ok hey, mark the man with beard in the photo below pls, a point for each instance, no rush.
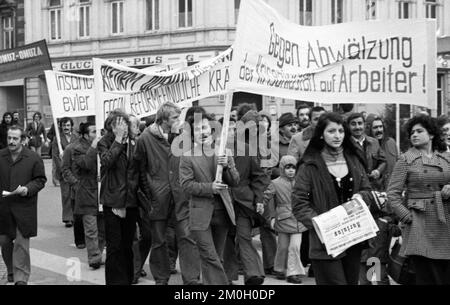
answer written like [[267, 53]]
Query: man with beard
[[67, 137], [300, 141], [379, 245], [16, 119], [22, 176], [6, 123], [368, 149], [303, 116]]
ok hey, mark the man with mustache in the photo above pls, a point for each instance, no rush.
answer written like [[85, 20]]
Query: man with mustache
[[388, 146], [66, 137], [300, 141], [368, 150], [22, 176], [303, 116]]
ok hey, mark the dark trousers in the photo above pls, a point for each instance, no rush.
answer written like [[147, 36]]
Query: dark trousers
[[119, 233], [304, 250], [143, 243], [78, 227], [159, 254], [269, 247], [431, 271], [172, 244], [189, 256], [231, 261], [344, 271], [7, 254], [211, 244], [251, 261]]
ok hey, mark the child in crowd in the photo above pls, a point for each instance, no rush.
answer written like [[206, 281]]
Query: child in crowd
[[277, 199]]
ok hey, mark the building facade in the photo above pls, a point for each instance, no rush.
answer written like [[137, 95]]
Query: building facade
[[12, 34], [142, 33]]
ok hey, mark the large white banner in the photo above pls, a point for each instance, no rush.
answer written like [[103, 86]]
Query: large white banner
[[389, 61], [140, 93], [72, 95]]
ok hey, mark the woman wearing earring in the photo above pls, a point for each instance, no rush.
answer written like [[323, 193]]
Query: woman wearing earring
[[422, 174], [329, 174]]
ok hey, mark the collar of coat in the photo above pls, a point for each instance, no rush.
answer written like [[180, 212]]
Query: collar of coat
[[25, 153], [413, 153]]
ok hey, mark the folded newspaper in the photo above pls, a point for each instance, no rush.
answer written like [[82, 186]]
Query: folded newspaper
[[345, 226]]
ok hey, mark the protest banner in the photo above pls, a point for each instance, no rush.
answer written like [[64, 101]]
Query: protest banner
[[345, 226], [389, 61], [140, 93], [72, 95]]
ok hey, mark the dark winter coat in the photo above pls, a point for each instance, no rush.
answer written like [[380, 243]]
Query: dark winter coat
[[159, 166], [119, 173], [28, 170], [56, 154], [85, 168], [34, 133], [314, 194]]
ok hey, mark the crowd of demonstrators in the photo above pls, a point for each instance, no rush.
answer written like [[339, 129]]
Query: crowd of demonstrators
[[161, 197]]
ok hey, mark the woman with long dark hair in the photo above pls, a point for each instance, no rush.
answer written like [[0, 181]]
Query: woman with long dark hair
[[422, 174], [329, 174]]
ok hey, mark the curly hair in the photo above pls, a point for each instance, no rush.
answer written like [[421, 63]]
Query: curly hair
[[431, 125]]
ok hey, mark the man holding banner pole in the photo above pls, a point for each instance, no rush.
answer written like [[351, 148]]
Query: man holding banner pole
[[58, 147]]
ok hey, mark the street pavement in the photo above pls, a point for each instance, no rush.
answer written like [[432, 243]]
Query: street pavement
[[56, 261]]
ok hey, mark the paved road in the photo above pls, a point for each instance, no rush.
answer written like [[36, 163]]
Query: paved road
[[55, 259]]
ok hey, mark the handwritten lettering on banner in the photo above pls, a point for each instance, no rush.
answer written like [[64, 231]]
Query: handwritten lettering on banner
[[71, 95], [364, 62], [142, 92]]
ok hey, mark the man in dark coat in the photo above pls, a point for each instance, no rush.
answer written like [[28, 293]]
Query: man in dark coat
[[248, 199], [86, 193], [160, 166], [66, 137], [69, 178], [22, 176], [118, 195]]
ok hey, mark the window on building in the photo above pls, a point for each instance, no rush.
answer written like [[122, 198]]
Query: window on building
[[84, 20], [8, 32], [371, 9], [55, 11], [184, 13], [117, 17], [237, 4], [306, 12], [405, 9], [440, 84], [152, 15], [337, 11], [432, 11]]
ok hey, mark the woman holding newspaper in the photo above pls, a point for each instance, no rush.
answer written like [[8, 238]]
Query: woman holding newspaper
[[329, 175], [423, 172]]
